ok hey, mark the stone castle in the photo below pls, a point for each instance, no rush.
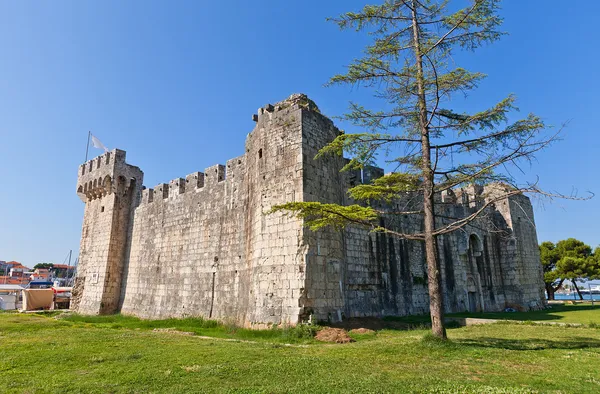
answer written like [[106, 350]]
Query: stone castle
[[203, 246]]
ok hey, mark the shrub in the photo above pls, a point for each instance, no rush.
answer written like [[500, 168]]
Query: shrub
[[300, 331]]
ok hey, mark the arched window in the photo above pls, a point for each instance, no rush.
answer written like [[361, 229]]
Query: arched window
[[475, 245], [107, 184]]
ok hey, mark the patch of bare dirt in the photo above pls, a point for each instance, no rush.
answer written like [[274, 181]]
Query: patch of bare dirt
[[362, 331], [333, 335]]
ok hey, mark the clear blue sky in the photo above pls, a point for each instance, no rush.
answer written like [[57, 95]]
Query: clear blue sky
[[175, 84]]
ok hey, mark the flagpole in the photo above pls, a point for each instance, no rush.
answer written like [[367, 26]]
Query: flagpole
[[87, 147]]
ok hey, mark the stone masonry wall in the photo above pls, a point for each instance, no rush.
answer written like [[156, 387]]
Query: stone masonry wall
[[491, 264], [204, 245]]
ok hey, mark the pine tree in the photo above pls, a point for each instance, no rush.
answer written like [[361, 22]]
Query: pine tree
[[410, 68], [569, 259]]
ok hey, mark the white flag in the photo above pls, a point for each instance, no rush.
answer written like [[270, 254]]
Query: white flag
[[97, 144]]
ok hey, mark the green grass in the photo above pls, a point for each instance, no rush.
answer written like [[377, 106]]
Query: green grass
[[123, 354], [582, 313], [197, 326]]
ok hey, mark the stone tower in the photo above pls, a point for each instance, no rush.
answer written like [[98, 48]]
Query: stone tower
[[110, 189]]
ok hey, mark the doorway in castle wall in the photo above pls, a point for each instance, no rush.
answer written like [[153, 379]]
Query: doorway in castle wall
[[472, 301], [473, 295]]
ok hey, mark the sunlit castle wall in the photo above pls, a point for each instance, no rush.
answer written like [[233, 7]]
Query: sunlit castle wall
[[204, 244]]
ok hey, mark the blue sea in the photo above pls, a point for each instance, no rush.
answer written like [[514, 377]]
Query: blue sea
[[575, 296]]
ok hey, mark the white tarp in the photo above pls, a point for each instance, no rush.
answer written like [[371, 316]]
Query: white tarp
[[34, 299]]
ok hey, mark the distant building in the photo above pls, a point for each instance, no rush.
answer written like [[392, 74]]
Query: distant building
[[14, 273], [42, 274]]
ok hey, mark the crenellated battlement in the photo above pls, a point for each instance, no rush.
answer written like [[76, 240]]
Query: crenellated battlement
[[196, 181], [214, 174], [268, 116], [161, 191], [475, 196], [105, 174], [176, 187], [147, 196], [295, 101]]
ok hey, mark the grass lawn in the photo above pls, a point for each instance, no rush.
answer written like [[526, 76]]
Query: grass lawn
[[583, 313], [580, 313], [121, 354]]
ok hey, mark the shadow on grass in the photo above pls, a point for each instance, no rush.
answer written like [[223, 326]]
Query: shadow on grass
[[555, 313], [529, 344], [543, 315], [387, 323]]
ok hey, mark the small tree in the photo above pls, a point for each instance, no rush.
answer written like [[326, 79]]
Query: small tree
[[43, 266], [552, 280], [409, 66], [569, 259]]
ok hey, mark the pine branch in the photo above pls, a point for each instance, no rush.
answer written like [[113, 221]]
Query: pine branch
[[477, 3]]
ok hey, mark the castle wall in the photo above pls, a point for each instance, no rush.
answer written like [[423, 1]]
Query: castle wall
[[483, 269], [491, 264], [207, 248], [205, 245], [187, 251]]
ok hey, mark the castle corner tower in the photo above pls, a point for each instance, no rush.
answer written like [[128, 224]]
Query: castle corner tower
[[110, 189]]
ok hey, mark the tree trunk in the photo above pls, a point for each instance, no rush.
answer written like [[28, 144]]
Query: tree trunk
[[550, 291], [578, 292], [436, 307]]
